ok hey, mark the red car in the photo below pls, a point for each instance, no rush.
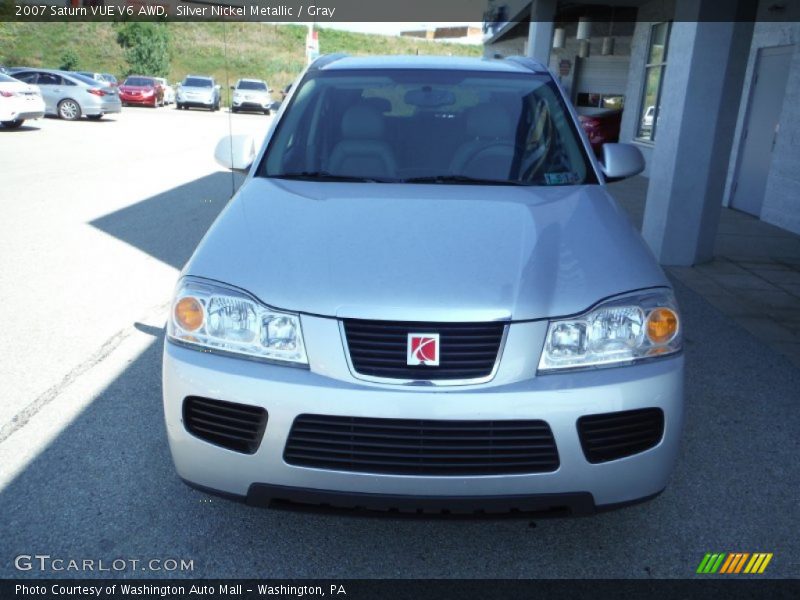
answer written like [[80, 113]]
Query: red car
[[141, 90], [602, 127]]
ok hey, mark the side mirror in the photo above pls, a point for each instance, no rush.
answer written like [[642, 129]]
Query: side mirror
[[236, 152], [233, 87], [270, 90], [621, 161]]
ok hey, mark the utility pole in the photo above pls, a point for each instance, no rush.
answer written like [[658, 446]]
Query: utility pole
[[312, 44]]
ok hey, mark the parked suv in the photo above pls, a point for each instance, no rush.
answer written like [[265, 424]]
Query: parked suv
[[199, 91], [251, 94], [423, 297]]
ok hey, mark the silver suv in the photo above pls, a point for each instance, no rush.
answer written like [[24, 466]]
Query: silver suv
[[198, 91], [424, 298]]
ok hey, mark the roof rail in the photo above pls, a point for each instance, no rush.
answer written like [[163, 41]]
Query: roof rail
[[325, 60], [528, 63]]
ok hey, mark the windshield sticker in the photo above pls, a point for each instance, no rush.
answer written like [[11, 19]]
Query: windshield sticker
[[561, 178]]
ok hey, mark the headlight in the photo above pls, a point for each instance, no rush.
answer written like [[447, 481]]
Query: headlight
[[622, 330], [215, 317]]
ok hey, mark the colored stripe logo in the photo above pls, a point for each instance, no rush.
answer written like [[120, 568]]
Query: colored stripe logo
[[731, 563]]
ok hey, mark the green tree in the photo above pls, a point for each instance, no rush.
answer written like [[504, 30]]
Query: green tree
[[69, 60], [146, 47]]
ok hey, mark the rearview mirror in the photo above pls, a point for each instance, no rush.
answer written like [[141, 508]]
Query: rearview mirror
[[235, 152], [621, 161]]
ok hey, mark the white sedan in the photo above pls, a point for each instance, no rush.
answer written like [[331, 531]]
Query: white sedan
[[18, 102]]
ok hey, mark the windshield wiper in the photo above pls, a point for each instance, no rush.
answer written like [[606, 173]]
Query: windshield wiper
[[462, 179], [325, 176]]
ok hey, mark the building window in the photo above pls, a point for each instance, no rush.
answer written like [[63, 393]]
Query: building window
[[653, 78]]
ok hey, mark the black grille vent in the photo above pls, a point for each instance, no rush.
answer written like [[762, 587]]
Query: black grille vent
[[418, 447], [237, 427], [379, 349], [615, 435]]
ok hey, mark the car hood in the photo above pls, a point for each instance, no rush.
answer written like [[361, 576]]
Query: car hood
[[197, 90], [136, 88], [425, 252]]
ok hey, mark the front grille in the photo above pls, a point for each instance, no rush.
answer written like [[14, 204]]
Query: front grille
[[421, 447], [237, 427], [379, 349], [615, 435]]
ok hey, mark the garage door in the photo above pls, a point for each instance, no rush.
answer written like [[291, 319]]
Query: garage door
[[602, 75]]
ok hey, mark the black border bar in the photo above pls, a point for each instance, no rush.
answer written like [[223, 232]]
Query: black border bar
[[498, 12], [403, 589]]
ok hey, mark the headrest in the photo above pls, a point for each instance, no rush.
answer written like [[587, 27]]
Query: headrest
[[489, 121], [362, 122]]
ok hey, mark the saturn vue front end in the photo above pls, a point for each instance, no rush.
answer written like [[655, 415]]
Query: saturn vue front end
[[424, 298]]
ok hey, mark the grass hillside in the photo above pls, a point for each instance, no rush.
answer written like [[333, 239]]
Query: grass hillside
[[267, 51]]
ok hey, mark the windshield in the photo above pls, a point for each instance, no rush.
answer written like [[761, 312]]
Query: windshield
[[197, 82], [428, 126], [252, 85], [139, 82]]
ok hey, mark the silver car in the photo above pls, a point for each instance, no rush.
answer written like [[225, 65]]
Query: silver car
[[251, 94], [71, 95], [424, 298], [198, 91]]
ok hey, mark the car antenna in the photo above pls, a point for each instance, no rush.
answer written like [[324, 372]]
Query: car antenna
[[227, 87]]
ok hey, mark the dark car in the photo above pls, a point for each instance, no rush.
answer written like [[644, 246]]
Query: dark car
[[145, 91], [602, 126]]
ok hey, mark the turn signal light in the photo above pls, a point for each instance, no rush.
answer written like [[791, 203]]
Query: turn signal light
[[189, 313], [662, 325]]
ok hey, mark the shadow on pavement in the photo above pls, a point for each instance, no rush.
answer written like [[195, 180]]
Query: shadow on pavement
[[21, 129], [170, 225]]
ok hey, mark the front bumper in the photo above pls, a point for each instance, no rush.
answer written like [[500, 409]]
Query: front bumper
[[515, 393], [251, 105], [143, 100], [196, 102]]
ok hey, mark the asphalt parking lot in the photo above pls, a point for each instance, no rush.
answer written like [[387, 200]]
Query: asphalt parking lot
[[98, 219]]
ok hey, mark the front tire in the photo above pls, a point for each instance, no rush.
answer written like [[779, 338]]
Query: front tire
[[69, 110], [13, 124]]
